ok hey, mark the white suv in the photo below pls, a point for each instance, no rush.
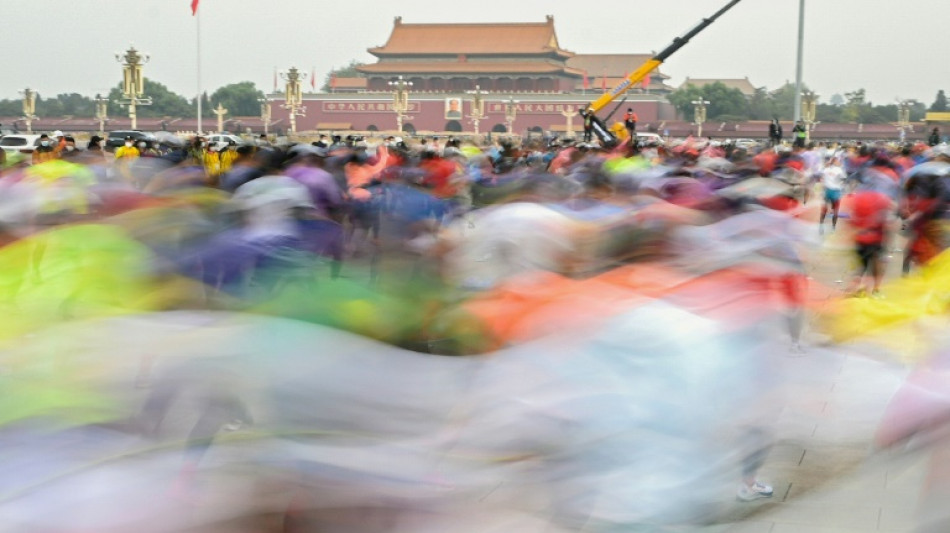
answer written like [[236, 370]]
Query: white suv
[[220, 140], [24, 144]]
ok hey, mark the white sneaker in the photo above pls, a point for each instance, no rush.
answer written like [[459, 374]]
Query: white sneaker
[[757, 490]]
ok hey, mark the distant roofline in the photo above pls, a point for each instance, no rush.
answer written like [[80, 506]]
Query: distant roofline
[[381, 50], [549, 21], [430, 24]]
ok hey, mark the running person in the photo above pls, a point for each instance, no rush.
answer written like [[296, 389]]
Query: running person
[[833, 179], [869, 216]]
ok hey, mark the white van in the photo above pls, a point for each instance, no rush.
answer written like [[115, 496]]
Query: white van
[[647, 138]]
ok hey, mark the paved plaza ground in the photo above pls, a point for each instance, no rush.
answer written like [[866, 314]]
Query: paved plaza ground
[[826, 474]]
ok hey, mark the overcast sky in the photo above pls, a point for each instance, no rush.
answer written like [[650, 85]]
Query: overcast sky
[[892, 49]]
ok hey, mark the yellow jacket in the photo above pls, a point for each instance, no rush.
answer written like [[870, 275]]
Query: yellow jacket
[[126, 151]]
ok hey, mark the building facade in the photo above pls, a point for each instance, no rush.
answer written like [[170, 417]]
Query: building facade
[[513, 65]]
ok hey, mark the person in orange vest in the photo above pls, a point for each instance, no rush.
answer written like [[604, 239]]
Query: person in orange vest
[[59, 141], [630, 122]]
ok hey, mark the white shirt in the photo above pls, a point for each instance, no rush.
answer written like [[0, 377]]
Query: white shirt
[[833, 178]]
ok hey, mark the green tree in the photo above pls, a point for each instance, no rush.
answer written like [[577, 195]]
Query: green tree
[[206, 107], [349, 71], [918, 111], [11, 108], [725, 103], [829, 112], [940, 104], [165, 103], [888, 112], [858, 109], [48, 107], [240, 99], [760, 105], [870, 114], [71, 104], [854, 102], [682, 99], [856, 98], [77, 105], [783, 101]]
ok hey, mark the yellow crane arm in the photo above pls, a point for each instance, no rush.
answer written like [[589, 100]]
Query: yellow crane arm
[[638, 75], [630, 81]]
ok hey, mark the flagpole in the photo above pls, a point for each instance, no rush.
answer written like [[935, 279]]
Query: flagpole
[[198, 63]]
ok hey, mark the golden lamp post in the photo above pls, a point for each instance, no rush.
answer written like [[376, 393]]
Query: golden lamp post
[[133, 83], [265, 113], [699, 115], [293, 97], [809, 112], [102, 112], [903, 118], [569, 114], [478, 107], [400, 99], [220, 111], [511, 113], [29, 108]]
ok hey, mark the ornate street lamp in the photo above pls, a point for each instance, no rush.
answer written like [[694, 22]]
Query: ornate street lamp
[[293, 97], [569, 114], [102, 112], [400, 99], [220, 111], [29, 108], [265, 112], [903, 117], [478, 107], [699, 115], [133, 83], [809, 112], [511, 113]]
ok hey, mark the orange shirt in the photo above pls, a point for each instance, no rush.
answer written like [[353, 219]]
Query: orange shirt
[[360, 175]]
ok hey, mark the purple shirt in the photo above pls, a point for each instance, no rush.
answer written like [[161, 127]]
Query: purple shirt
[[324, 191]]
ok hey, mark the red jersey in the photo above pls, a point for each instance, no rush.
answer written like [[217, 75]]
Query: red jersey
[[869, 211]]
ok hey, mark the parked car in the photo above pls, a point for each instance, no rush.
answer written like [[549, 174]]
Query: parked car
[[648, 138], [220, 140], [747, 144], [117, 138], [24, 144]]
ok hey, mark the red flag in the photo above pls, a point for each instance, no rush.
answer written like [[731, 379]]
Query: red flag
[[646, 82], [313, 78], [586, 81], [603, 82], [194, 7]]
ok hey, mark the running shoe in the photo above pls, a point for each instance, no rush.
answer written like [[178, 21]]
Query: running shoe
[[757, 490]]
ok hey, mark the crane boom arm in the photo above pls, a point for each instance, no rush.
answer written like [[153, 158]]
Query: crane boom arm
[[640, 73]]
